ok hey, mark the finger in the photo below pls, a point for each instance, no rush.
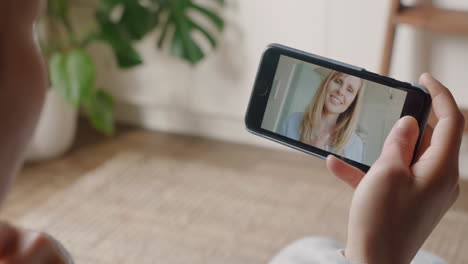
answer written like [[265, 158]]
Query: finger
[[9, 240], [399, 146], [425, 141], [443, 103], [37, 248], [449, 129], [349, 174]]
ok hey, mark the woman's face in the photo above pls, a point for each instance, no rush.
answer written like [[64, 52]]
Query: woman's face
[[341, 92]]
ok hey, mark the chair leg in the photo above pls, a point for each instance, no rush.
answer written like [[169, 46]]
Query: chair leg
[[395, 7], [388, 49]]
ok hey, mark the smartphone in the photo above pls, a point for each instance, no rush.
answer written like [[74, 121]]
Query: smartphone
[[321, 106]]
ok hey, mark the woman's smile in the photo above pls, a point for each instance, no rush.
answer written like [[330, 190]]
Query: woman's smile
[[335, 100]]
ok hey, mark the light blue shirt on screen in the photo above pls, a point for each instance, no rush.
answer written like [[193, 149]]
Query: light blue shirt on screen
[[291, 129]]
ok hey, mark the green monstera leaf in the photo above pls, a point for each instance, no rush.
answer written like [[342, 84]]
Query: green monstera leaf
[[135, 22], [138, 18], [178, 20], [72, 75], [120, 42]]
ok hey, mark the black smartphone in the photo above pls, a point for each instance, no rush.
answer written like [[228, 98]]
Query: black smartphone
[[321, 106]]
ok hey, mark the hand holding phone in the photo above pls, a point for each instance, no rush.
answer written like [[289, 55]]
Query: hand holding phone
[[397, 205], [322, 107]]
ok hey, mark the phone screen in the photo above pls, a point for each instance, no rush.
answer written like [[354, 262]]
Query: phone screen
[[331, 110]]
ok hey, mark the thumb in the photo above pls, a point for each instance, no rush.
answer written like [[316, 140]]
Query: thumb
[[400, 143]]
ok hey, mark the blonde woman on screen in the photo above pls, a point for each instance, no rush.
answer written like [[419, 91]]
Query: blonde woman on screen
[[330, 120]]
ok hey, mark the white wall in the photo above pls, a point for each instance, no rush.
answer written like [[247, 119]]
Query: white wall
[[210, 99]]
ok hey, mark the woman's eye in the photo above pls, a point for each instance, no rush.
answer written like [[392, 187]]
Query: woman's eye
[[350, 90], [337, 81]]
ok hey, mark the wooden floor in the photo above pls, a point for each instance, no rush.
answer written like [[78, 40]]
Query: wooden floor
[[39, 182]]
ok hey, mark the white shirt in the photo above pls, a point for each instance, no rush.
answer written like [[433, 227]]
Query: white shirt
[[321, 250], [291, 129]]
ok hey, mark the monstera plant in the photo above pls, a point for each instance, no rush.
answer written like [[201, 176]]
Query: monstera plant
[[120, 24]]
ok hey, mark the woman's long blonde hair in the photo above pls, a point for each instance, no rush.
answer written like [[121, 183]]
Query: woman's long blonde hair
[[346, 123]]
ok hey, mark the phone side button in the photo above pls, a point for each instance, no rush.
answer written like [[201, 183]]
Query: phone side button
[[262, 88]]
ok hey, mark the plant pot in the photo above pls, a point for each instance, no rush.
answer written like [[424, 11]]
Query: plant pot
[[55, 131]]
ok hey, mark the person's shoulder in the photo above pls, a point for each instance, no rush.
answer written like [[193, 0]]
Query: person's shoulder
[[355, 140]]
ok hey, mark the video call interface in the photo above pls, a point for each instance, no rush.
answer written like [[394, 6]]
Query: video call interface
[[336, 112]]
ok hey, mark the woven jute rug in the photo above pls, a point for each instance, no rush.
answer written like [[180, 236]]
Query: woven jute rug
[[143, 209], [138, 208]]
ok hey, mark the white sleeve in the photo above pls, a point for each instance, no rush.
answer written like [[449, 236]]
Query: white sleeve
[[321, 250], [312, 250]]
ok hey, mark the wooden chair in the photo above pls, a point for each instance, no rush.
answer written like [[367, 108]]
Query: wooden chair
[[424, 16]]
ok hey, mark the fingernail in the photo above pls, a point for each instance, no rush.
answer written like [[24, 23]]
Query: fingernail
[[405, 124], [426, 74]]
